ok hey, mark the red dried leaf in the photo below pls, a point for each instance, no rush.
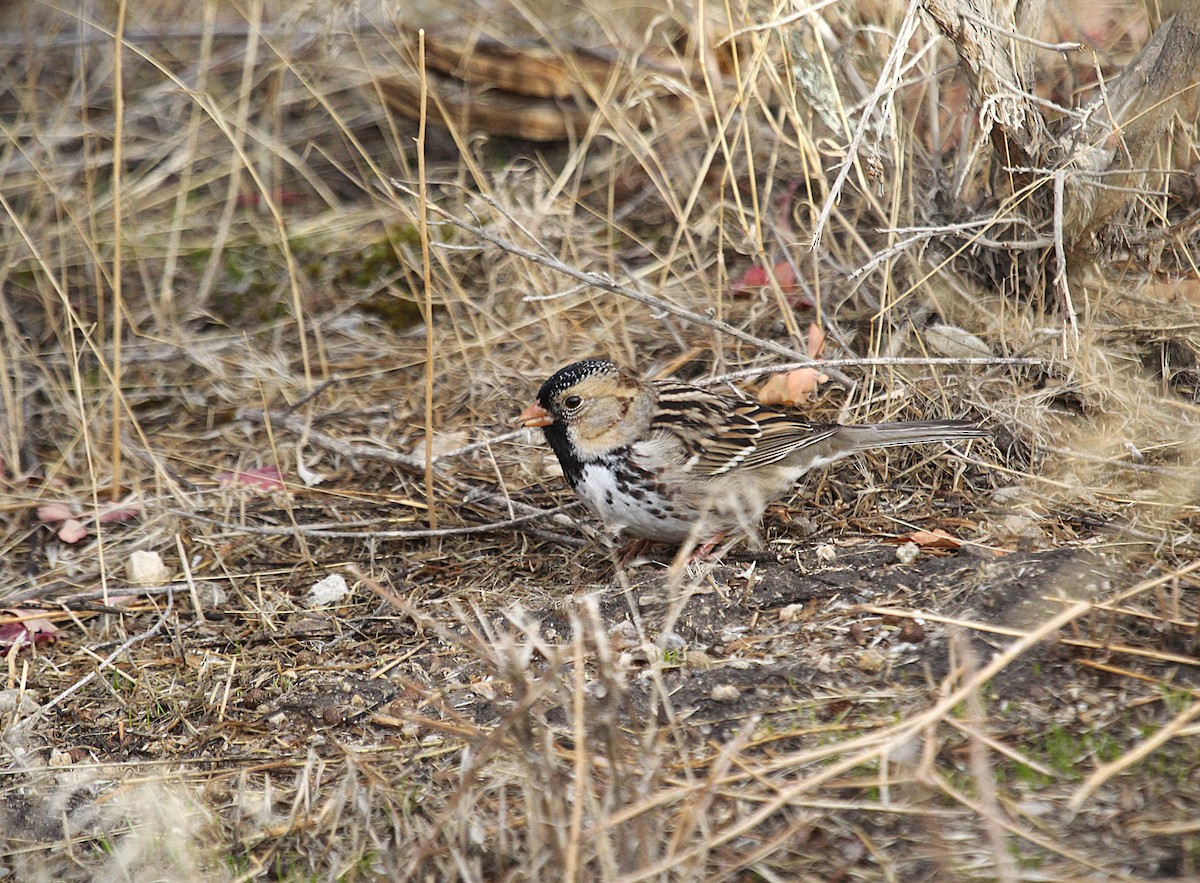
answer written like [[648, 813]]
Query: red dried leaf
[[757, 277], [53, 513], [72, 531], [785, 276], [26, 627], [754, 278], [119, 514], [72, 528], [267, 478]]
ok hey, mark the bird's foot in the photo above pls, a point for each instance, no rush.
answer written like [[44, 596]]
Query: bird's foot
[[631, 551], [704, 552]]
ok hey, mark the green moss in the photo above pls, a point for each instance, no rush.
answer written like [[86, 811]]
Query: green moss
[[378, 259], [252, 286], [1028, 861], [395, 311], [373, 266], [1023, 774], [1072, 754], [1176, 701]]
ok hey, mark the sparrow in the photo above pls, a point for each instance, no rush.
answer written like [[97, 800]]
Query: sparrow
[[672, 462]]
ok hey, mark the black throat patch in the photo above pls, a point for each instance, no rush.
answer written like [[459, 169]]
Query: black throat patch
[[572, 466]]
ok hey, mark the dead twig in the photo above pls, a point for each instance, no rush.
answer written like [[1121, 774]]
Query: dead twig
[[605, 283], [322, 532], [27, 723]]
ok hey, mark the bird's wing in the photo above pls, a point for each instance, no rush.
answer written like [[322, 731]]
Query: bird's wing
[[721, 433]]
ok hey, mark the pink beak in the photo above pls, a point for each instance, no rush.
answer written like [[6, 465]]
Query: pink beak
[[535, 416]]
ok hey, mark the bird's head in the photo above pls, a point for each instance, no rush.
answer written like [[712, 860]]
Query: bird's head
[[594, 406]]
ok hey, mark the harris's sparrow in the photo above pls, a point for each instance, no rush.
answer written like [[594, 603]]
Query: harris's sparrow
[[667, 461]]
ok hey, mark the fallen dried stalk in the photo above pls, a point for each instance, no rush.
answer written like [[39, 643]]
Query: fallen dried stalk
[[869, 747], [27, 723], [1103, 773], [329, 533]]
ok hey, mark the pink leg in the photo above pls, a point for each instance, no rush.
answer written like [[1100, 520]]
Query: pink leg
[[702, 552], [633, 550]]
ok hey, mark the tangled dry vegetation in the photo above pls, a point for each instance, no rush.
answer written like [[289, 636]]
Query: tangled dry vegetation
[[215, 244]]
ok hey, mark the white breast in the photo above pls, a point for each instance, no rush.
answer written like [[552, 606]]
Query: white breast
[[638, 512]]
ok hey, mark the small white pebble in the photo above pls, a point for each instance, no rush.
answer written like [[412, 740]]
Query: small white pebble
[[308, 476], [146, 569], [739, 664], [907, 553], [671, 641], [826, 552], [908, 751], [871, 660], [624, 629], [1035, 808], [11, 700], [725, 693], [59, 759], [476, 833], [623, 635], [1013, 493], [791, 613], [328, 591]]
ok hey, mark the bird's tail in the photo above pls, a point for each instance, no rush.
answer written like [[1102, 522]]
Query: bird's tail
[[887, 435]]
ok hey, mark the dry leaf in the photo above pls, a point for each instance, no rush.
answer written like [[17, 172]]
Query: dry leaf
[[119, 513], [1187, 289], [816, 340], [934, 539], [72, 531], [266, 478], [792, 387], [955, 343], [25, 628], [801, 384], [757, 278], [53, 513]]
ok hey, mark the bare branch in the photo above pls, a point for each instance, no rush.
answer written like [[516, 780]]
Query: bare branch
[[1007, 112], [1129, 121]]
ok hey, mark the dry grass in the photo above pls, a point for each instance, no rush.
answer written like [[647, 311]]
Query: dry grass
[[503, 702]]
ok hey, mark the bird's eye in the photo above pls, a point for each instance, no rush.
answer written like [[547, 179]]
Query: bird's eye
[[572, 402]]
